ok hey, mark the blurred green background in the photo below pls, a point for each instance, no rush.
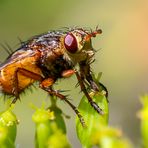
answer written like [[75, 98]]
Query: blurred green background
[[122, 58]]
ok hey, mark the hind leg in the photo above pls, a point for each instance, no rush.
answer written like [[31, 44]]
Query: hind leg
[[62, 97], [26, 73]]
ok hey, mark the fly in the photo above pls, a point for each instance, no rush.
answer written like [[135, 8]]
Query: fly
[[48, 57]]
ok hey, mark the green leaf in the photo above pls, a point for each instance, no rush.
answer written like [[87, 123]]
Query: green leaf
[[93, 120]]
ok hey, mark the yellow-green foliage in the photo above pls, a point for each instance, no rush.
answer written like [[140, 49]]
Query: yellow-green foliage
[[8, 128], [48, 132], [143, 114]]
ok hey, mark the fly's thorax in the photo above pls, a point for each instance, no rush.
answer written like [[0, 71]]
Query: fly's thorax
[[50, 55], [53, 63]]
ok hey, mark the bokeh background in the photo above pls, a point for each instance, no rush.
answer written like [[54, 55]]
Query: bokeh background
[[122, 58]]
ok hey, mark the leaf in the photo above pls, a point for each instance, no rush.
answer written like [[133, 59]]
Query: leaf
[[94, 121]]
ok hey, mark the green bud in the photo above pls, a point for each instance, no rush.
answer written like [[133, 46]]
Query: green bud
[[42, 118], [9, 121], [108, 137], [58, 139], [49, 132], [5, 141]]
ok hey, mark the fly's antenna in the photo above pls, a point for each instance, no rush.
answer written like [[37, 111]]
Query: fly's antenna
[[93, 33], [6, 49]]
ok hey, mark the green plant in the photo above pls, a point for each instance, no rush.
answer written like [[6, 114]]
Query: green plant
[[8, 128], [143, 114], [50, 128]]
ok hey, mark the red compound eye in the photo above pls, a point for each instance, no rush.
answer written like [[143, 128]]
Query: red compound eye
[[70, 43]]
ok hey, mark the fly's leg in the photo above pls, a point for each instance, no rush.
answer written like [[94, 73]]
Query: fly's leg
[[62, 97], [85, 73], [26, 73], [15, 88], [45, 85], [106, 91], [83, 88]]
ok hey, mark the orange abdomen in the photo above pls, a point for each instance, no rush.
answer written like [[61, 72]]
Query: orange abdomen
[[8, 74]]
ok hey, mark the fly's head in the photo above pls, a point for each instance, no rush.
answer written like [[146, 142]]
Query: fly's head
[[78, 46]]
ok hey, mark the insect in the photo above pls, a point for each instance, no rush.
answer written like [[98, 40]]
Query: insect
[[48, 57]]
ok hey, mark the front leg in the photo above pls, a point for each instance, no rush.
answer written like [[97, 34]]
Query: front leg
[[83, 88], [85, 73]]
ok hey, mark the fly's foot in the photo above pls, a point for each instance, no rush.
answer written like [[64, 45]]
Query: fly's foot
[[96, 107]]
